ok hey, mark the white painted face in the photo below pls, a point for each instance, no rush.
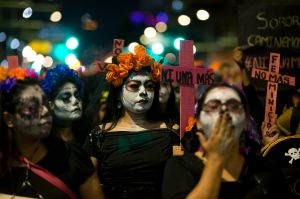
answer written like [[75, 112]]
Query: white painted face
[[32, 117], [67, 104], [164, 92], [138, 93], [209, 117]]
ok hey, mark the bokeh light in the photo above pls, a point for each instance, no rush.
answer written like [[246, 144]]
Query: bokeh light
[[131, 46], [150, 32], [2, 36], [177, 42], [71, 59], [162, 17], [161, 27], [184, 20], [136, 17], [15, 43], [27, 12], [157, 48], [202, 15], [177, 5], [171, 58], [55, 16], [72, 43], [48, 62], [4, 63]]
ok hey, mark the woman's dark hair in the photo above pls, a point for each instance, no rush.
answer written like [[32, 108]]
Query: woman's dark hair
[[113, 113], [8, 104], [170, 113], [250, 139]]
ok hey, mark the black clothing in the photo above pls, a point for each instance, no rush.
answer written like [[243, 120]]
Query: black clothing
[[69, 163], [131, 164], [258, 179]]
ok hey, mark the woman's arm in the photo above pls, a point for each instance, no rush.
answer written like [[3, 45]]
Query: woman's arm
[[209, 184], [91, 188], [218, 148]]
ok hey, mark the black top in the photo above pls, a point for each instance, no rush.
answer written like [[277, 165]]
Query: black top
[[258, 179], [131, 164], [67, 162]]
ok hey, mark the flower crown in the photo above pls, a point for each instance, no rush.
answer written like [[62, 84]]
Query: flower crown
[[190, 124], [57, 75], [9, 77], [128, 61]]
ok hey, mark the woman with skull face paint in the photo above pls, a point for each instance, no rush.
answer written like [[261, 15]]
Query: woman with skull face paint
[[32, 162], [63, 89], [228, 165], [132, 145]]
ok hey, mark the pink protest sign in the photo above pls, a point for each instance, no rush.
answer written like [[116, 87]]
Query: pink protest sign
[[186, 75], [118, 44], [13, 61], [274, 78]]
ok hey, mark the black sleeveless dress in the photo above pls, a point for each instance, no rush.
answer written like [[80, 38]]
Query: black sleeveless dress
[[131, 164]]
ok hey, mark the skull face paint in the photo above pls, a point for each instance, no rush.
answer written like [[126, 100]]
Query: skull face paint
[[32, 117], [67, 104], [138, 93], [208, 119]]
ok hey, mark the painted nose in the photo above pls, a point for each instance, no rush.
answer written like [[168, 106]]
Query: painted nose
[[143, 90], [223, 108], [74, 100], [45, 111]]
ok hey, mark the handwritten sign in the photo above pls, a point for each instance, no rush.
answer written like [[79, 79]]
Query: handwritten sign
[[100, 66], [13, 61], [270, 28], [273, 78], [186, 75]]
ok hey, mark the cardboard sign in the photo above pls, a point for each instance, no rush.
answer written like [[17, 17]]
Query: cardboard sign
[[273, 78], [187, 76], [100, 66], [270, 28]]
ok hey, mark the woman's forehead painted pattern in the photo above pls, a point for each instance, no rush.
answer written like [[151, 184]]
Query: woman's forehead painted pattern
[[223, 94], [139, 76]]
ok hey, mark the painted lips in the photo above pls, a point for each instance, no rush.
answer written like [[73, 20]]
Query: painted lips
[[143, 101]]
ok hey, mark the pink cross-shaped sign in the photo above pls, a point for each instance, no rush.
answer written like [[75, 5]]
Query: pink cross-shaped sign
[[13, 61], [187, 75], [100, 66], [274, 78]]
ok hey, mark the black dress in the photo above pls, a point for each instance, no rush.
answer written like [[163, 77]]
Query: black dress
[[131, 164], [69, 163], [259, 179]]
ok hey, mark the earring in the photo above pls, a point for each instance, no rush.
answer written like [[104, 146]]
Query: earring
[[119, 105]]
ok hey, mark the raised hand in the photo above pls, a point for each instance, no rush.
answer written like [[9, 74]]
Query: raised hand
[[219, 144]]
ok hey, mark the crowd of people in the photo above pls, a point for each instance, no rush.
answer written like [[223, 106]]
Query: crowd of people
[[62, 138]]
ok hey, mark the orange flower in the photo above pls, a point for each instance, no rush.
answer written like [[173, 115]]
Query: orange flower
[[18, 73], [127, 61], [125, 58], [139, 49], [155, 71], [191, 123], [3, 73]]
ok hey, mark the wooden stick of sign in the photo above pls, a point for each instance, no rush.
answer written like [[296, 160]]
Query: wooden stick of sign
[[274, 78], [186, 75], [100, 66]]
